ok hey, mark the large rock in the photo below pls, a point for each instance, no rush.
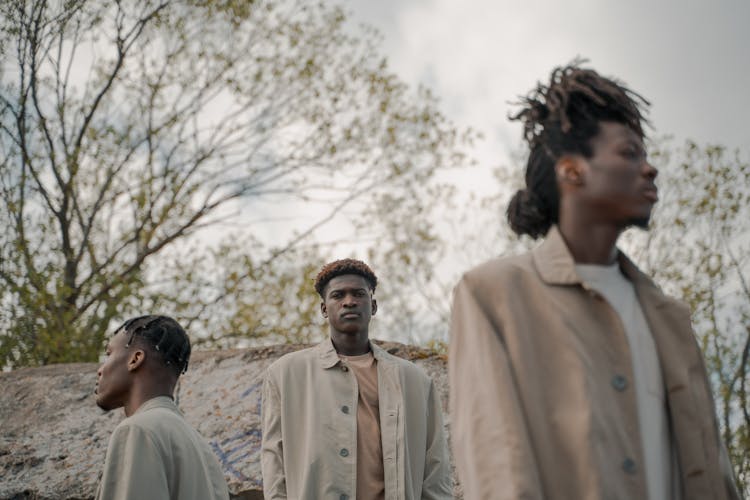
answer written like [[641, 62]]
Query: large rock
[[53, 437]]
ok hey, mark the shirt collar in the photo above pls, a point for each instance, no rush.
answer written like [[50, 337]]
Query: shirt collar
[[329, 358]]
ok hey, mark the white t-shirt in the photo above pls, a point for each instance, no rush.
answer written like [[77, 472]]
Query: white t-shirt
[[649, 386]]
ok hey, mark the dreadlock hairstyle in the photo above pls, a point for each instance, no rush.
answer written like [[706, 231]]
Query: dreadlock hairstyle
[[341, 267], [164, 335], [562, 118]]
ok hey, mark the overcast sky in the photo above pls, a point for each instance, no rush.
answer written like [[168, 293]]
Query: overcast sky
[[690, 58]]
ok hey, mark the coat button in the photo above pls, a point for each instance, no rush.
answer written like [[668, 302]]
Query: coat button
[[628, 465], [344, 452], [344, 409], [619, 382]]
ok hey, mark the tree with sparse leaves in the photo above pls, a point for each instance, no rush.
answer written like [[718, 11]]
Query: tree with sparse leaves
[[698, 249], [130, 129]]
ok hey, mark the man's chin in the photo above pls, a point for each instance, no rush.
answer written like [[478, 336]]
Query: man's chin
[[104, 405], [351, 331], [640, 222]]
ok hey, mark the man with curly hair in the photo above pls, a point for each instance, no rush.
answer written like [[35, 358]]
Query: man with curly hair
[[572, 375], [153, 452], [346, 419]]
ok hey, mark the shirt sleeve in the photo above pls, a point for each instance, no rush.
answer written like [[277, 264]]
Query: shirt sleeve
[[437, 484], [134, 467], [272, 446], [489, 435]]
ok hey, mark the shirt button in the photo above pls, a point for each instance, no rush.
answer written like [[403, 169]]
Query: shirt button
[[344, 452], [345, 409], [619, 382], [344, 368], [628, 465]]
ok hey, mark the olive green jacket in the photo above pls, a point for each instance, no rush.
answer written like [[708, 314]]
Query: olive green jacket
[[155, 454]]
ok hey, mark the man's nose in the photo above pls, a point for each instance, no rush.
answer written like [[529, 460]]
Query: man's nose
[[650, 171]]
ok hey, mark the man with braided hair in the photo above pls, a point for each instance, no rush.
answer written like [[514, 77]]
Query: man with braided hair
[[572, 375], [153, 452], [347, 420]]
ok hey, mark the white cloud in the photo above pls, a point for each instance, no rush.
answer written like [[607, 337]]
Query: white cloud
[[688, 57]]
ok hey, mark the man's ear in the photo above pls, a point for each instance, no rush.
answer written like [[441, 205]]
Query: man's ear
[[323, 310], [137, 357], [374, 306], [569, 170]]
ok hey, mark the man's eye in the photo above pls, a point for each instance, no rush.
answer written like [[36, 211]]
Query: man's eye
[[633, 153]]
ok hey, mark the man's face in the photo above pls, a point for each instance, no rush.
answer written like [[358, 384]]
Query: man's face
[[618, 182], [348, 304], [113, 377]]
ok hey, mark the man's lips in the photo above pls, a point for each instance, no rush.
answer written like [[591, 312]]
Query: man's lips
[[651, 194], [350, 315]]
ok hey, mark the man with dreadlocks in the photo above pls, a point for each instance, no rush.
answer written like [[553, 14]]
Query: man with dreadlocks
[[153, 452], [347, 420], [572, 375]]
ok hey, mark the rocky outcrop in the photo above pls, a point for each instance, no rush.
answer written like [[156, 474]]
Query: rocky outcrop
[[53, 437]]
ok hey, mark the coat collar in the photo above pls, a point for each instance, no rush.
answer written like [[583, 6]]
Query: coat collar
[[554, 261], [158, 402], [556, 266], [329, 357]]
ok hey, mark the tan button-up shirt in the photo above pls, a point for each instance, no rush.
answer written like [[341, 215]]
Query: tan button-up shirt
[[542, 401], [310, 429], [154, 453], [370, 480]]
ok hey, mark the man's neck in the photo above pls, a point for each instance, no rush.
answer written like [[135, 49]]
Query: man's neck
[[350, 344], [140, 395], [590, 243]]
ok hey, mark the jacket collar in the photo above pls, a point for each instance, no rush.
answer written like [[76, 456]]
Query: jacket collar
[[556, 266], [554, 261], [158, 402], [329, 357]]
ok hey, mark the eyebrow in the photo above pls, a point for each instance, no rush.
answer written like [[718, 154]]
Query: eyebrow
[[347, 289]]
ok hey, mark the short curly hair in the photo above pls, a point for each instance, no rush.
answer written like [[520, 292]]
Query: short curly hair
[[341, 267]]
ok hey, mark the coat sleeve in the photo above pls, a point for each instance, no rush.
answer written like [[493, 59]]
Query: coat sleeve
[[272, 447], [490, 439], [134, 467], [438, 483]]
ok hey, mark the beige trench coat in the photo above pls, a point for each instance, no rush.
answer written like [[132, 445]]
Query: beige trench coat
[[309, 414], [538, 404], [155, 454]]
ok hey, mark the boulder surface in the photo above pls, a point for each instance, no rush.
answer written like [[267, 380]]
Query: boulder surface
[[53, 437]]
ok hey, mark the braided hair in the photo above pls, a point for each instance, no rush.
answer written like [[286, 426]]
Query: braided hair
[[163, 335], [561, 118]]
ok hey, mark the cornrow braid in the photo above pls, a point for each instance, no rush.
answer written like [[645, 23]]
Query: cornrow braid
[[164, 335], [561, 118]]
